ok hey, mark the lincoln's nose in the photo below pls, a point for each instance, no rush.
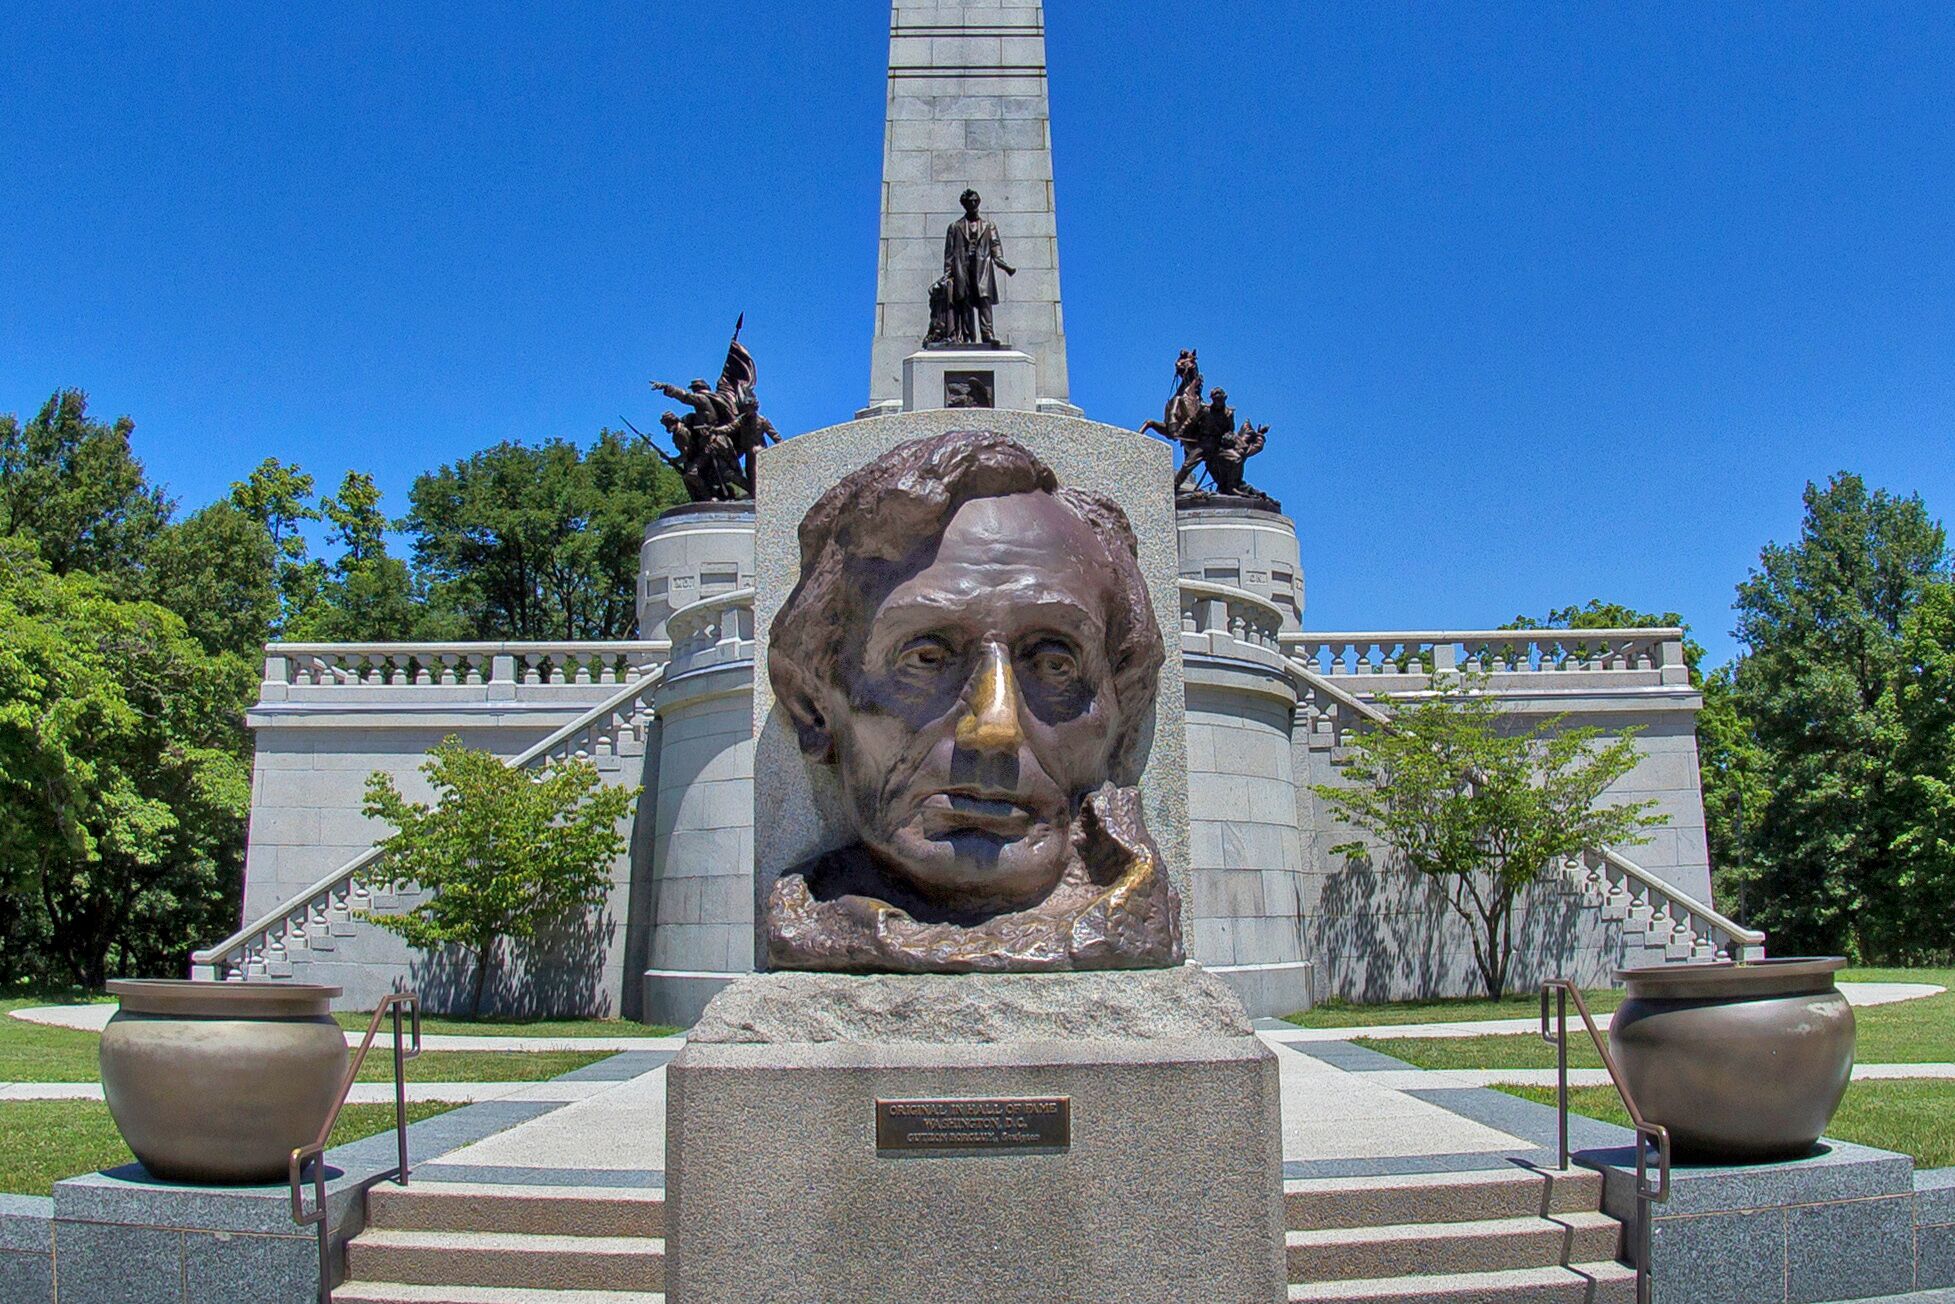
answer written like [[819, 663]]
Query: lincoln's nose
[[990, 722]]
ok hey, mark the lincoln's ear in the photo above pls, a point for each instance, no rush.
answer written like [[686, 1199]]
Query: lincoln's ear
[[810, 724]]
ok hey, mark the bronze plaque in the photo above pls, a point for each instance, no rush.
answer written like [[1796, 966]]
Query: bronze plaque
[[1008, 1123]]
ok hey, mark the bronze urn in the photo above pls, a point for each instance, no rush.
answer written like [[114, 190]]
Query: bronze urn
[[216, 1083], [1743, 1063]]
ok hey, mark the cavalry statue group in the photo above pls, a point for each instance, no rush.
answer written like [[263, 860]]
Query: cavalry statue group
[[1211, 441]]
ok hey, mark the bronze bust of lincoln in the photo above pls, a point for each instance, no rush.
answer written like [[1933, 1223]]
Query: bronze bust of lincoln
[[972, 648]]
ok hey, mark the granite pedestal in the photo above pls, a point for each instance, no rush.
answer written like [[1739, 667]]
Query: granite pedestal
[[970, 378], [1169, 1189], [1839, 1224]]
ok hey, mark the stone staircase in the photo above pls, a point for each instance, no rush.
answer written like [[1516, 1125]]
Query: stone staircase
[[1514, 1234], [468, 1243], [1498, 1236]]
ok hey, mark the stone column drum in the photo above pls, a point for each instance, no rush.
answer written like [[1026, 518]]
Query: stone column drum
[[1245, 548], [691, 552]]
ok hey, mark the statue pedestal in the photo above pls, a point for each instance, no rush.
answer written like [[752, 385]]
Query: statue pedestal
[[896, 1139], [970, 378]]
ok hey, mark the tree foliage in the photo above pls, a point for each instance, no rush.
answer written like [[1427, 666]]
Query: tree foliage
[[124, 783], [503, 852], [366, 595], [542, 542], [214, 568], [1920, 711], [72, 486], [1457, 793], [1825, 626], [1597, 614]]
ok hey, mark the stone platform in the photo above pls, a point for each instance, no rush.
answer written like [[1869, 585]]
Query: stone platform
[[1166, 1184]]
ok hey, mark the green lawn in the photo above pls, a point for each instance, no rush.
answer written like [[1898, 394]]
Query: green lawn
[[1460, 1009], [43, 1141], [1914, 1117], [34, 1052], [1906, 1032]]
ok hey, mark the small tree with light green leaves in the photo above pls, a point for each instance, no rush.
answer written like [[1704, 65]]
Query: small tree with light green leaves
[[1457, 792], [503, 852]]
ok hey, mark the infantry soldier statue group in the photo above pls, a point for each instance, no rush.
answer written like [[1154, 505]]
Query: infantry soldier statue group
[[718, 441]]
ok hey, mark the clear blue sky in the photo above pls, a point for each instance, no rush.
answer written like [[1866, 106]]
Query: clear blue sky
[[1541, 304]]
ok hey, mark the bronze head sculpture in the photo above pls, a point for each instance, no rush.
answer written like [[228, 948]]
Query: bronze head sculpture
[[973, 650]]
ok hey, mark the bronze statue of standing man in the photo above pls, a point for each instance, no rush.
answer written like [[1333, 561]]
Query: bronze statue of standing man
[[973, 255]]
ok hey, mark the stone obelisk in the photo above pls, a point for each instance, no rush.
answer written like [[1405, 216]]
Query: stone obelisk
[[967, 109]]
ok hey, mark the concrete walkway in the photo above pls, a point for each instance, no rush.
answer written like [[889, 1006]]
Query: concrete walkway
[[556, 1090], [1858, 995], [93, 1018], [1328, 1114]]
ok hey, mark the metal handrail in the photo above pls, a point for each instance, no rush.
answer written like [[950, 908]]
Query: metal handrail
[[314, 1155], [1656, 1134]]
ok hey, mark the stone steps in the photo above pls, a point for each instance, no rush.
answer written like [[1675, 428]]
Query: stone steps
[[1454, 1238], [1483, 1245], [524, 1259], [371, 1292], [1581, 1283], [537, 1210], [1334, 1202], [491, 1243]]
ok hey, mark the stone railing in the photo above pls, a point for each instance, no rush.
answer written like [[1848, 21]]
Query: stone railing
[[312, 919], [1685, 927], [711, 632], [1224, 621], [1648, 656], [442, 665]]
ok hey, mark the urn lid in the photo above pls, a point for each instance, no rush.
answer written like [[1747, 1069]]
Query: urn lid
[[1731, 980], [210, 999]]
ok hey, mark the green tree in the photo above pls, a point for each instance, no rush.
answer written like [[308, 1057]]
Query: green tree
[[214, 568], [1455, 792], [124, 784], [365, 596], [1821, 621], [278, 495], [503, 852], [1732, 770], [1920, 711], [71, 485], [541, 543], [1597, 614]]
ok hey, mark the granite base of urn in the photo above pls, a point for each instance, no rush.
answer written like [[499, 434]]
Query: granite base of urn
[[900, 1139]]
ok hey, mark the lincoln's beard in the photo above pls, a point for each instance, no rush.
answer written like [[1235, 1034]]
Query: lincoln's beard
[[1113, 908], [962, 855]]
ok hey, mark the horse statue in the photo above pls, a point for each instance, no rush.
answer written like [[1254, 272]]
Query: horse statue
[[1185, 405]]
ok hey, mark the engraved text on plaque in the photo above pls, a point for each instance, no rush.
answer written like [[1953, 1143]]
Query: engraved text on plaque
[[1011, 1123]]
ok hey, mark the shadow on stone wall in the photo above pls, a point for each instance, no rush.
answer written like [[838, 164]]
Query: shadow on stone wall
[[1389, 934], [558, 975]]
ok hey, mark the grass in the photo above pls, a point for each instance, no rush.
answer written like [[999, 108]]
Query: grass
[[1527, 1005], [43, 1141], [34, 1052], [1905, 1032], [1914, 1117], [503, 1026]]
